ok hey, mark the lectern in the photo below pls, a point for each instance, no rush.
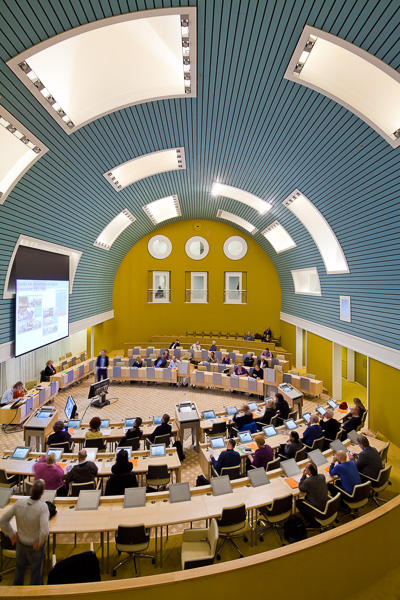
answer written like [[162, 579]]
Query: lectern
[[39, 425], [187, 417], [291, 394]]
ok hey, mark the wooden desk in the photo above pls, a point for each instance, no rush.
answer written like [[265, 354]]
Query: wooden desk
[[39, 428], [61, 365], [35, 397], [117, 432], [74, 374]]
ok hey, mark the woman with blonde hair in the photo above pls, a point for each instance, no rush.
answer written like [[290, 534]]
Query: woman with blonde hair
[[270, 412]]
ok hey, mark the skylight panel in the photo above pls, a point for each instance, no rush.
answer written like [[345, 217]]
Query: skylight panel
[[115, 227], [163, 209], [352, 77], [223, 214], [328, 245], [278, 237], [145, 166], [19, 149], [306, 281], [220, 189], [103, 66]]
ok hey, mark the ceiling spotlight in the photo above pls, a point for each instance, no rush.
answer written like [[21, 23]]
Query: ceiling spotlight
[[39, 85], [185, 42], [185, 22], [61, 112], [397, 134], [11, 128], [50, 100], [36, 149], [186, 60], [24, 140], [188, 90], [25, 67], [186, 76], [70, 124]]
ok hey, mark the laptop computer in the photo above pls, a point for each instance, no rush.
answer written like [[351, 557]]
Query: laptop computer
[[91, 453], [321, 410], [306, 416], [221, 485], [105, 423], [128, 449], [332, 404], [129, 423], [88, 500], [258, 477], [285, 387], [217, 443], [337, 445], [290, 424], [157, 450], [253, 406], [231, 411], [245, 437], [269, 430], [291, 469], [20, 452], [179, 492], [74, 423], [208, 414], [135, 497], [57, 452], [5, 495], [317, 457], [157, 420]]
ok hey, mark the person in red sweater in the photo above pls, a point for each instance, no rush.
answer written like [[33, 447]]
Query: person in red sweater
[[52, 474]]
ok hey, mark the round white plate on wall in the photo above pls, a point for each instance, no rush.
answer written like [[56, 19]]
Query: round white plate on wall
[[159, 246], [235, 247], [197, 247]]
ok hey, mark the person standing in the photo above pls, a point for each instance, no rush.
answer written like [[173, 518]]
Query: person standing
[[101, 365], [49, 370], [32, 517]]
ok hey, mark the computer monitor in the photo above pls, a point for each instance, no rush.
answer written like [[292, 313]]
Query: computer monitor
[[179, 492], [337, 445], [5, 495], [332, 404], [70, 408], [88, 500], [20, 452], [286, 387], [74, 423], [217, 443], [129, 422], [258, 477], [185, 407], [267, 398], [105, 423], [290, 467], [269, 430], [231, 410], [317, 457], [135, 497], [157, 450], [128, 449], [253, 406], [290, 424], [157, 420], [91, 453], [321, 410], [57, 453], [221, 485], [99, 388], [208, 414], [44, 414], [245, 437], [306, 416]]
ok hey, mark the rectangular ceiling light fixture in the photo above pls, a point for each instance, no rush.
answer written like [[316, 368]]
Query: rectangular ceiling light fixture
[[278, 237], [317, 226], [220, 189], [145, 166], [223, 214], [115, 227], [87, 72], [19, 149], [163, 209], [306, 281], [353, 77]]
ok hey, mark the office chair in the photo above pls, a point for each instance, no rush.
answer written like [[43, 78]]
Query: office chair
[[273, 464], [379, 484], [384, 453], [61, 358], [133, 443], [317, 444], [98, 443], [7, 550], [7, 481], [325, 518], [76, 488], [66, 446], [233, 519], [43, 377], [216, 430], [294, 372], [358, 499], [293, 414], [310, 376], [163, 439], [252, 427], [202, 368], [275, 514], [300, 454], [30, 384], [132, 539], [117, 484], [157, 475], [199, 546], [78, 568], [232, 472]]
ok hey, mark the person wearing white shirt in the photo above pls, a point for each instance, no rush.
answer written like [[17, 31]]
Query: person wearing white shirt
[[195, 346], [173, 363]]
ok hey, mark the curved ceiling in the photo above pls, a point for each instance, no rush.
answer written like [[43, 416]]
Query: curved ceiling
[[248, 127]]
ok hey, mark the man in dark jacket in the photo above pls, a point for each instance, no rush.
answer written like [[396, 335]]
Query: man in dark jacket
[[162, 429], [313, 431], [368, 461], [329, 425], [101, 365], [84, 472], [227, 458]]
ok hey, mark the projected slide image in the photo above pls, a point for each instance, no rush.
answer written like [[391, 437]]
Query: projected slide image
[[29, 313]]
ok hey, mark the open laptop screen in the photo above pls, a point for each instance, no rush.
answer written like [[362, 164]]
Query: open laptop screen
[[290, 467], [105, 423], [306, 416], [74, 423], [321, 410], [128, 449], [20, 452], [269, 430], [290, 424], [208, 414], [221, 485], [332, 403], [253, 406], [217, 443], [129, 422], [231, 410], [91, 453], [157, 420], [157, 450], [57, 452], [245, 437]]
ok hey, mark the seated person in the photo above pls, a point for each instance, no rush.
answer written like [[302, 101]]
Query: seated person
[[346, 470], [249, 337], [228, 458], [329, 425], [313, 431], [226, 360], [122, 476], [315, 488], [162, 429], [262, 456], [167, 355], [161, 361], [138, 363], [59, 436], [239, 370], [270, 411], [267, 333], [263, 362], [244, 419], [173, 363], [49, 370], [357, 402], [9, 396], [289, 449], [249, 360], [160, 293], [195, 346], [368, 461], [354, 421], [213, 347], [257, 373], [94, 429], [282, 407], [174, 345], [211, 358], [84, 472], [51, 473], [133, 433], [267, 353]]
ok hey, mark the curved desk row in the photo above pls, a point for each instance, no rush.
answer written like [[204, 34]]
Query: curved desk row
[[36, 397], [74, 373]]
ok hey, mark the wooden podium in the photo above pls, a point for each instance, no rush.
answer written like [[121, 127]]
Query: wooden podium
[[187, 417], [39, 425]]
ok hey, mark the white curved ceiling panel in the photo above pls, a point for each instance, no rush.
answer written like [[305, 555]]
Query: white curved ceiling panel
[[260, 205]]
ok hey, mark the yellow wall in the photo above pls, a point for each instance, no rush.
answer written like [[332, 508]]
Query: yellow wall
[[384, 405], [319, 359], [136, 320], [344, 362], [104, 337], [360, 374], [288, 341]]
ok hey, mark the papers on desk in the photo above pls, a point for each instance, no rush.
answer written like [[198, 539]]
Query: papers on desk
[[292, 482], [99, 465], [106, 432]]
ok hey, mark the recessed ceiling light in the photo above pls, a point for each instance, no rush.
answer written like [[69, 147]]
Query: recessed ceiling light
[[318, 227], [163, 209], [306, 281], [115, 227], [90, 73], [278, 237], [220, 189], [138, 168], [223, 214], [351, 76]]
